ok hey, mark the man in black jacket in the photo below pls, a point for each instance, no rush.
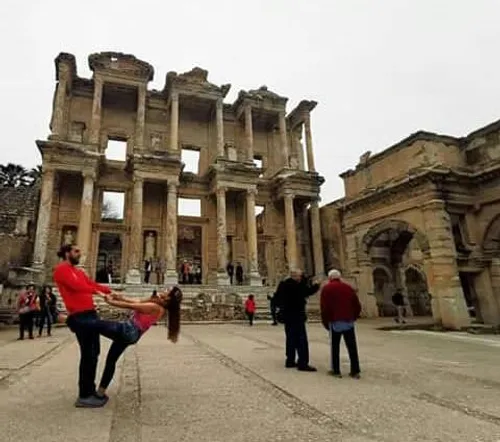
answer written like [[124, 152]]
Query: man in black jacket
[[291, 299]]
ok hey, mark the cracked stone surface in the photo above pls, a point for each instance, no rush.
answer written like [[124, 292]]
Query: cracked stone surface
[[227, 383]]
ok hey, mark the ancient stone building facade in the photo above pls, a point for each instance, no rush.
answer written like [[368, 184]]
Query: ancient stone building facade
[[18, 207], [423, 216], [250, 154]]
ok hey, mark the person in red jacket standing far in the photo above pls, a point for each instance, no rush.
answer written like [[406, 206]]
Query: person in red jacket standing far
[[77, 291], [250, 308], [340, 308]]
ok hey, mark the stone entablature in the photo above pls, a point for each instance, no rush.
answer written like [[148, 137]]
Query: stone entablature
[[187, 114]]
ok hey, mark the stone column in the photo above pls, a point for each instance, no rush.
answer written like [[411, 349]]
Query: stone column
[[495, 278], [95, 119], [366, 290], [43, 222], [441, 268], [222, 277], [136, 238], [171, 236], [487, 303], [291, 240], [284, 141], [319, 261], [219, 122], [174, 122], [85, 224], [253, 264], [309, 144], [141, 117], [249, 132], [57, 125]]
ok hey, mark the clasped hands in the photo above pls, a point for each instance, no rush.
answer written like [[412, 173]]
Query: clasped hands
[[113, 296]]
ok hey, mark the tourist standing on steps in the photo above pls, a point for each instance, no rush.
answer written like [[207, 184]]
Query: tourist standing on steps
[[399, 302], [250, 308], [340, 308], [239, 274], [230, 272], [77, 290], [26, 307], [291, 298]]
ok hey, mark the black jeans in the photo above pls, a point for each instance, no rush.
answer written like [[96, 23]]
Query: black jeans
[[26, 323], [45, 316], [250, 317], [352, 349], [87, 327], [296, 342]]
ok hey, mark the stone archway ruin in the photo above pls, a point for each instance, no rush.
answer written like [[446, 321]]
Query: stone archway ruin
[[403, 228], [491, 241]]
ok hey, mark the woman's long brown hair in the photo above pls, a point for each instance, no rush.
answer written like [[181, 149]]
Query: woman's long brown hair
[[173, 307]]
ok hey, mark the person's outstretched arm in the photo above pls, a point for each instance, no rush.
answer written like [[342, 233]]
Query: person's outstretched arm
[[120, 297], [149, 308]]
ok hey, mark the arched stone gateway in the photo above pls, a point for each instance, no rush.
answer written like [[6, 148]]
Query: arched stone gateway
[[491, 242], [406, 232], [418, 293]]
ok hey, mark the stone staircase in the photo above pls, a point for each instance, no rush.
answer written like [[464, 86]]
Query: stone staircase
[[204, 302]]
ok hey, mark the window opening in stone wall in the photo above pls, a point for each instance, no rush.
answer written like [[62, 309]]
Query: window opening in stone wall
[[189, 207], [191, 159], [116, 150], [257, 160], [113, 206], [259, 210]]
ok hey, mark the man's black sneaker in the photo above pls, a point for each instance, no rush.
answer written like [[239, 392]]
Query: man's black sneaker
[[355, 375], [307, 368], [335, 375], [90, 402], [290, 365]]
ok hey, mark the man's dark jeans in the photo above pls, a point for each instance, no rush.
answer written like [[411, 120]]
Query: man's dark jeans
[[352, 349], [87, 327], [296, 342]]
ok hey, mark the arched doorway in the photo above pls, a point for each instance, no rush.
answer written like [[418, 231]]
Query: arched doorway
[[382, 283], [418, 293]]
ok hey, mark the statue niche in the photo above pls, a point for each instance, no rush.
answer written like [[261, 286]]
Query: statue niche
[[149, 245], [68, 235]]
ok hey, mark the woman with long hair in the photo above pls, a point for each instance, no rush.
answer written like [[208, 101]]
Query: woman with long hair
[[146, 312]]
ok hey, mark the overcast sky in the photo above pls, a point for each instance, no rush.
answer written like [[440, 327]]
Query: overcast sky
[[379, 70]]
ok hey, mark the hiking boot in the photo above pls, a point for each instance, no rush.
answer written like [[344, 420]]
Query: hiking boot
[[90, 402]]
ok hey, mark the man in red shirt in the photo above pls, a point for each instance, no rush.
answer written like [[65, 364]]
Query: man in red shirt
[[77, 291], [340, 308]]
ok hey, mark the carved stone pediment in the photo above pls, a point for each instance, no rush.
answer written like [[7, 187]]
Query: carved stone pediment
[[197, 79], [125, 64]]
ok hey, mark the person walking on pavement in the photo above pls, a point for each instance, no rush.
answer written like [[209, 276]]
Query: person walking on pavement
[[399, 303], [272, 305], [291, 298], [340, 308], [48, 306], [26, 307]]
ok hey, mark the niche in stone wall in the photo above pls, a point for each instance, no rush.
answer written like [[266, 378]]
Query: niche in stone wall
[[150, 244], [68, 235], [77, 131]]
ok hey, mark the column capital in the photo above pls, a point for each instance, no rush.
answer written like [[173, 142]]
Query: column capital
[[89, 174], [221, 190], [252, 191], [174, 95], [288, 194], [48, 171], [138, 180], [219, 104], [172, 187]]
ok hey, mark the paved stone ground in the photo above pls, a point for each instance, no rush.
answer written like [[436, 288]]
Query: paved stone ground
[[227, 383]]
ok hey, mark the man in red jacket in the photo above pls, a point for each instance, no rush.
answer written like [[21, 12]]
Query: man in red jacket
[[77, 291], [340, 308]]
